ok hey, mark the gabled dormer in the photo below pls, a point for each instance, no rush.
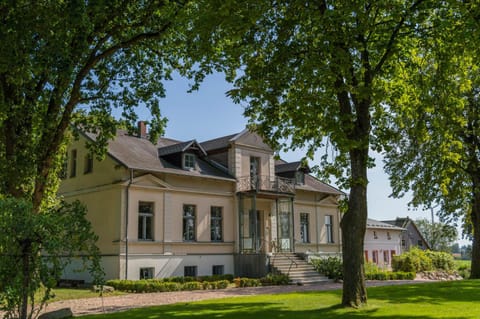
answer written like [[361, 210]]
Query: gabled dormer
[[183, 155], [295, 171]]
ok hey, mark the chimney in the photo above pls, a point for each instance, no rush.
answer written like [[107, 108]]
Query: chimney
[[142, 129]]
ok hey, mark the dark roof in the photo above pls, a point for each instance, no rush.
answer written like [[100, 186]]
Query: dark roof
[[179, 148], [218, 143], [399, 222], [140, 154], [372, 223], [290, 167], [313, 184]]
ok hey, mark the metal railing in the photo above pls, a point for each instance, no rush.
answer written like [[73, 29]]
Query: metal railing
[[278, 252], [266, 183]]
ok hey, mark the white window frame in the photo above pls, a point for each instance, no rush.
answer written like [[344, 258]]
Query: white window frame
[[189, 161], [143, 223], [189, 222], [329, 228], [215, 223], [304, 227], [147, 273]]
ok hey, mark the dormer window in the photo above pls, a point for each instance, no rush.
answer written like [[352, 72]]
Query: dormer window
[[188, 161], [299, 178]]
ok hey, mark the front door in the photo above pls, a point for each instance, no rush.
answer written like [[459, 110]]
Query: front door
[[285, 225], [255, 229]]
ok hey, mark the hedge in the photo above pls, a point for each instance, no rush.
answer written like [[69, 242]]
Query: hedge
[[389, 275], [153, 285]]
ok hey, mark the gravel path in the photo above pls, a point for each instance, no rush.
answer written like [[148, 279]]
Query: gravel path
[[86, 306]]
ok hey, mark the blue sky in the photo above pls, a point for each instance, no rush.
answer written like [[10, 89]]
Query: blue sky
[[209, 113]]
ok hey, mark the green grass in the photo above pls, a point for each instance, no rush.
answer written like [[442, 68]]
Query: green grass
[[77, 293], [433, 300]]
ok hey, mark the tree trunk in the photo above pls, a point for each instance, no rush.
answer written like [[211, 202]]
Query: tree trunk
[[26, 271], [353, 232], [475, 214]]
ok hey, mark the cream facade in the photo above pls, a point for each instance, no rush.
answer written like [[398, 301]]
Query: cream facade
[[382, 241], [187, 208]]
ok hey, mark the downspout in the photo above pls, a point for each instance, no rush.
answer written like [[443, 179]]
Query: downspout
[[126, 222]]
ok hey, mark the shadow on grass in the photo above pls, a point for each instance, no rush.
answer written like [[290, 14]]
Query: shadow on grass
[[243, 310], [433, 293], [407, 300]]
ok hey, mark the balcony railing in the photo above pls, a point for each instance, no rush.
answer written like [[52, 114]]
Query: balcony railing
[[266, 183]]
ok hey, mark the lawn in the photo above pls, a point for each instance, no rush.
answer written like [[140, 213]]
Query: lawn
[[458, 299], [76, 293]]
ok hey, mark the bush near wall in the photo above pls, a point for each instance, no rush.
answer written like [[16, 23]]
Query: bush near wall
[[390, 275], [194, 283], [417, 260], [246, 282], [332, 267]]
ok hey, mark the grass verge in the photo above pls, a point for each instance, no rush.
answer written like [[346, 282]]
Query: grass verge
[[457, 299]]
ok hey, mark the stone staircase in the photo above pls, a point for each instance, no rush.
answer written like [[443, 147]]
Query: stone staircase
[[299, 270]]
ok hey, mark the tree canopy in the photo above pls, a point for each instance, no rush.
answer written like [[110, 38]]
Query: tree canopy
[[439, 236], [435, 145], [314, 75], [68, 63], [63, 64]]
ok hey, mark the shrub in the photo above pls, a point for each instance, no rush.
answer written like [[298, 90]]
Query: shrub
[[246, 282], [415, 260], [192, 285], [222, 284], [331, 267], [275, 279], [441, 260], [388, 275]]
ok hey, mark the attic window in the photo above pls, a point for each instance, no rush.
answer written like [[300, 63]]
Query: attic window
[[189, 161], [299, 178]]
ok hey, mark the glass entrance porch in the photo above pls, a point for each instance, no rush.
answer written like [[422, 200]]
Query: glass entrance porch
[[265, 224]]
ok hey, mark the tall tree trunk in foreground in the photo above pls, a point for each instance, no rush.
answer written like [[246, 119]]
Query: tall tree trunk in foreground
[[353, 231]]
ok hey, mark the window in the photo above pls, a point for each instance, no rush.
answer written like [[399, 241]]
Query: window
[[304, 235], [217, 270], [375, 236], [190, 271], [420, 243], [375, 256], [299, 178], [145, 221], [188, 222], [366, 255], [147, 273], [388, 235], [189, 161], [216, 231], [404, 243], [329, 228], [73, 163], [386, 257], [88, 164]]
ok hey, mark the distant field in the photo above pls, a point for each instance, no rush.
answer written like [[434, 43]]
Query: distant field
[[458, 299]]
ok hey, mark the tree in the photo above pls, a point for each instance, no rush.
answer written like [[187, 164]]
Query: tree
[[436, 149], [41, 244], [70, 63], [313, 75], [439, 236]]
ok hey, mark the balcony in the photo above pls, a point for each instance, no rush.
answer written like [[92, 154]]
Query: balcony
[[269, 184]]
